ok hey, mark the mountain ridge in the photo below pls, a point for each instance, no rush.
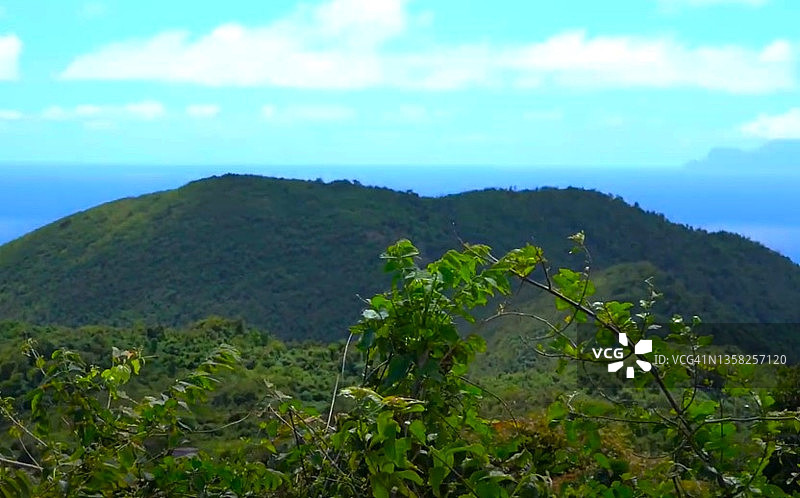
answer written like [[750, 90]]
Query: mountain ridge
[[292, 255]]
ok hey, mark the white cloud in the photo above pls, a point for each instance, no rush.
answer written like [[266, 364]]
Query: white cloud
[[100, 115], [57, 113], [88, 110], [411, 113], [775, 127], [321, 113], [10, 48], [709, 3], [308, 113], [330, 46], [779, 51], [268, 111], [10, 115], [354, 44], [146, 109], [202, 110], [415, 114], [100, 124], [618, 61]]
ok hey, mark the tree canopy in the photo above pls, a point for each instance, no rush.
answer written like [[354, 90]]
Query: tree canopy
[[410, 419]]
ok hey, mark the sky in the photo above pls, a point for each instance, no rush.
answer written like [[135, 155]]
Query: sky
[[101, 99], [509, 82]]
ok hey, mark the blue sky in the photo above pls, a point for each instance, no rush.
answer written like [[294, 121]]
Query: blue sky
[[510, 82], [101, 99]]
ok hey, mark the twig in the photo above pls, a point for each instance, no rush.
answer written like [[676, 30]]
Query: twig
[[19, 424], [498, 398], [723, 420], [336, 386], [684, 426], [223, 427], [20, 464], [25, 447]]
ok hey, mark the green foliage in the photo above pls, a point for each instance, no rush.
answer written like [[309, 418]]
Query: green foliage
[[249, 247], [413, 421], [87, 436]]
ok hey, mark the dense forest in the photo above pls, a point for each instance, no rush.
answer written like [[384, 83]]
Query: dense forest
[[244, 336], [250, 247], [405, 407]]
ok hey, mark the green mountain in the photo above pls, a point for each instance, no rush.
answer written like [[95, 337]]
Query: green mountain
[[293, 256]]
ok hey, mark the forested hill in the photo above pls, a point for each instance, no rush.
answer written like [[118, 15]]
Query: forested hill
[[293, 256]]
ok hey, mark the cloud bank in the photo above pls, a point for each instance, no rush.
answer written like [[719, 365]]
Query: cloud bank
[[308, 113], [146, 110], [202, 110], [358, 44], [775, 127], [10, 115], [10, 48]]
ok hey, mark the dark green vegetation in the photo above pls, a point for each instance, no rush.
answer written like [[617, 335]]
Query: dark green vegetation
[[412, 421], [291, 256], [170, 353], [442, 390]]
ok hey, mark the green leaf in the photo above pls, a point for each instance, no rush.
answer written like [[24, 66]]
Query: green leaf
[[379, 489], [490, 490], [702, 410], [417, 429], [409, 475], [387, 427], [595, 408], [557, 410], [436, 476], [602, 460], [579, 238], [397, 370], [37, 397]]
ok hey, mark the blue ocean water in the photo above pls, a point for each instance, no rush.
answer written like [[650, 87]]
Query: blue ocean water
[[762, 205]]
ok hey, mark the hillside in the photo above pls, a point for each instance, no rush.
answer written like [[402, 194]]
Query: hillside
[[293, 256]]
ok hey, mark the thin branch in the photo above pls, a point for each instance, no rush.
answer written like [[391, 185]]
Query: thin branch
[[223, 427], [684, 426], [316, 439], [759, 466], [336, 386], [623, 420], [546, 274], [696, 372], [456, 473], [498, 398], [25, 447], [297, 443], [553, 328], [677, 485], [17, 463], [22, 427], [760, 418]]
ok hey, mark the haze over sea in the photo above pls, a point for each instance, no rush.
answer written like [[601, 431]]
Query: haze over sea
[[759, 204]]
